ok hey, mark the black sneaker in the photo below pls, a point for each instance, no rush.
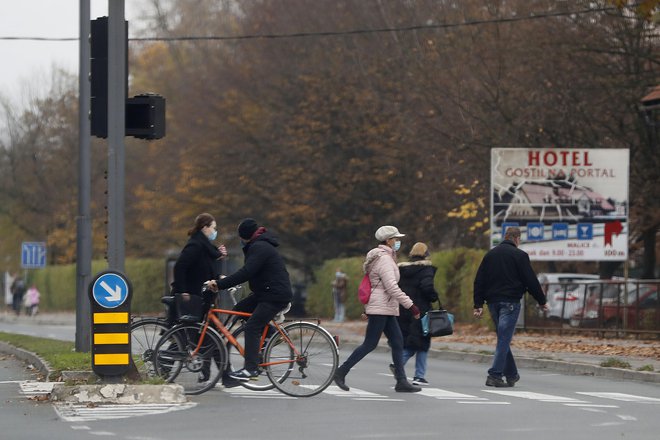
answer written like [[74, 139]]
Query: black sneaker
[[392, 368], [403, 386], [244, 375], [495, 382], [511, 381], [340, 381], [420, 381], [229, 382]]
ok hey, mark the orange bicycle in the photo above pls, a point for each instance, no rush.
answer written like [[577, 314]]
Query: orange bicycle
[[298, 358]]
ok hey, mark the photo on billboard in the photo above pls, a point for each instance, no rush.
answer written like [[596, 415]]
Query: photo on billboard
[[570, 203]]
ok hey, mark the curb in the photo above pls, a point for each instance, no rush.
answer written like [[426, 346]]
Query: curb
[[29, 357], [571, 368], [97, 394]]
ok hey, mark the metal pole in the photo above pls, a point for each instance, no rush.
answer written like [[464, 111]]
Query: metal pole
[[83, 222], [116, 132]]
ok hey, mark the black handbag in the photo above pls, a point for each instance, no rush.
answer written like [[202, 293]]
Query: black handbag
[[438, 323]]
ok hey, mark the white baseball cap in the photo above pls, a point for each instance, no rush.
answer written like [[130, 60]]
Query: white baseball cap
[[386, 232]]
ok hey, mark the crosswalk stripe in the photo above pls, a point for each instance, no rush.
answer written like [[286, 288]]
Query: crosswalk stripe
[[354, 393], [82, 413], [622, 397], [32, 388], [252, 394], [445, 394], [536, 396]]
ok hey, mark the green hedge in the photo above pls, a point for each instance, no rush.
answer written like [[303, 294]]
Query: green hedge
[[453, 280], [456, 271], [57, 284]]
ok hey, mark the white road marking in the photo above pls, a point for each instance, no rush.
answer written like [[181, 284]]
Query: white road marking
[[623, 397], [536, 396], [252, 394], [590, 405], [447, 395], [82, 413], [626, 417], [481, 402], [354, 393], [607, 424], [103, 433], [80, 427], [596, 410], [33, 388]]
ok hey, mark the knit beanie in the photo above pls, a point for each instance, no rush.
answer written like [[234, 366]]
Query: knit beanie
[[247, 228]]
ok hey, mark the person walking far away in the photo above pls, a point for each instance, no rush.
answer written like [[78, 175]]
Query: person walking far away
[[417, 281], [503, 277], [17, 291], [382, 309], [339, 285], [266, 274], [32, 299]]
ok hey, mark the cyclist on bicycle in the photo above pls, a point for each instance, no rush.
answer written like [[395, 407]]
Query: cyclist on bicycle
[[266, 274]]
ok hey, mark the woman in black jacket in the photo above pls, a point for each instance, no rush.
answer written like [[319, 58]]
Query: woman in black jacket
[[197, 262], [417, 281]]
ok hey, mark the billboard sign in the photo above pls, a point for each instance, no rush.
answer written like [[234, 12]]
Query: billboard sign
[[570, 204]]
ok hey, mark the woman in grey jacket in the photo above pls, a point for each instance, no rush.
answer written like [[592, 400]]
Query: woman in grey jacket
[[383, 308]]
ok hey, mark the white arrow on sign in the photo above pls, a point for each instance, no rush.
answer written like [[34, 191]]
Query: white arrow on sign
[[115, 295]]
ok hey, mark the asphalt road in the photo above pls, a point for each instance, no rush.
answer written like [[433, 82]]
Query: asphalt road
[[457, 405]]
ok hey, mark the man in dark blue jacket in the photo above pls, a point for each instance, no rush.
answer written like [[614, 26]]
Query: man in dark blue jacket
[[503, 277], [266, 274]]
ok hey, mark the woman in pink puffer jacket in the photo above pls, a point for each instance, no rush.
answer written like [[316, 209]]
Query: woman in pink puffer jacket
[[382, 309]]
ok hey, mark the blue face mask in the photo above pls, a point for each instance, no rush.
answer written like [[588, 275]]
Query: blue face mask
[[213, 235], [397, 246]]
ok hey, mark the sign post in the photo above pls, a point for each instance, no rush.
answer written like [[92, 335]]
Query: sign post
[[110, 295]]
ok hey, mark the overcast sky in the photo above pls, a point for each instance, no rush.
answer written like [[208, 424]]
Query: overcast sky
[[29, 62]]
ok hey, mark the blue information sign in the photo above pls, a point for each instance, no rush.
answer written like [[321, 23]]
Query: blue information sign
[[535, 231], [560, 231], [33, 255], [110, 290], [585, 231]]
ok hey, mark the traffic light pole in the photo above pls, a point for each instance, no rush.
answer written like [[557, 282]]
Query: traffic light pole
[[83, 222], [117, 94]]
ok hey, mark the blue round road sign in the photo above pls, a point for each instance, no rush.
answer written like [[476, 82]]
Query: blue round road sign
[[110, 290]]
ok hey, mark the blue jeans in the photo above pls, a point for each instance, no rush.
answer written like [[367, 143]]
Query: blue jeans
[[420, 361], [505, 316], [376, 326]]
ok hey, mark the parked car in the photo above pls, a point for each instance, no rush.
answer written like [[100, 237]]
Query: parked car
[[564, 292], [639, 310]]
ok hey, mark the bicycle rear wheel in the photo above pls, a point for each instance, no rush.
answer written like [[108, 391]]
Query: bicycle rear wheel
[[314, 363], [145, 334], [175, 361], [236, 360]]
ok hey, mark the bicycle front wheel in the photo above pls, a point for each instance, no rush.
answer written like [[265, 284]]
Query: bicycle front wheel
[[301, 361], [145, 334], [176, 360]]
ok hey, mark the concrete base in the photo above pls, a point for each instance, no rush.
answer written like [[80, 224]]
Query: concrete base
[[118, 393]]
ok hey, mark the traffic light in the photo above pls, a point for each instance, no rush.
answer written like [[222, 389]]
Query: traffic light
[[145, 113], [99, 77], [145, 116]]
